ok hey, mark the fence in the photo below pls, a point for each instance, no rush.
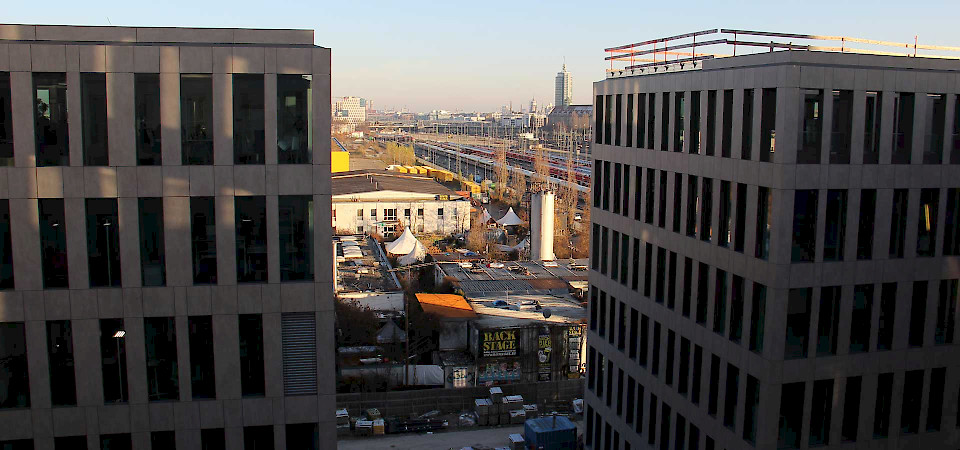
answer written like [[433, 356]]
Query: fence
[[548, 395]]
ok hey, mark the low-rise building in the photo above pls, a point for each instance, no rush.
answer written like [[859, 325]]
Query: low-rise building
[[382, 202]]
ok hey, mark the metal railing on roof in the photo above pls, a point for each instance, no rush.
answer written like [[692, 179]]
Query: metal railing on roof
[[665, 53]]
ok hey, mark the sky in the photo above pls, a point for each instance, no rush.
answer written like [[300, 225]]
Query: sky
[[477, 56]]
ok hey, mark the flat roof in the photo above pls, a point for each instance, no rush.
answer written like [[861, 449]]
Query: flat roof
[[366, 181], [366, 274], [525, 276], [521, 310], [447, 306], [156, 35]]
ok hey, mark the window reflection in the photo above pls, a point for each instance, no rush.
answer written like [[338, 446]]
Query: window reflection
[[203, 229], [14, 385], [6, 121], [147, 109], [196, 119], [296, 237], [251, 222], [103, 242], [151, 242], [63, 388], [93, 106], [50, 119], [53, 243], [248, 121], [161, 348]]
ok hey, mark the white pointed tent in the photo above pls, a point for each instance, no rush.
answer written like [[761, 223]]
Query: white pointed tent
[[510, 218], [404, 244], [415, 256], [486, 217]]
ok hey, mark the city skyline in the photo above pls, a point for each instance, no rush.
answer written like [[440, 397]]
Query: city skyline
[[424, 58]]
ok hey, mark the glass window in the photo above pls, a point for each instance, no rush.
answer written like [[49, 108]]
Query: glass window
[[651, 186], [910, 408], [161, 349], [927, 222], [726, 217], [258, 438], [730, 397], [619, 117], [50, 119], [706, 214], [935, 405], [678, 125], [626, 190], [694, 123], [644, 339], [196, 119], [888, 305], [651, 119], [93, 103], [683, 373], [203, 229], [146, 92], [703, 283], [811, 133], [695, 380], [720, 303], [764, 222], [604, 245], [652, 421], [629, 122], [53, 243], [726, 135], [661, 275], [671, 341], [835, 227], [598, 116], [151, 241], [607, 173], [791, 415], [768, 124], [163, 440], [712, 397], [296, 237], [248, 119], [951, 235], [665, 122], [113, 360], [641, 120], [671, 280], [871, 128], [867, 220], [804, 226], [634, 325], [6, 249], [898, 222], [294, 116], [736, 308], [212, 439], [251, 354], [14, 381], [63, 387], [655, 357], [828, 323], [686, 287], [662, 218], [103, 242], [946, 312], [851, 410], [303, 436], [798, 323], [861, 317], [617, 176], [935, 126], [758, 317], [711, 122], [746, 129], [693, 201], [202, 375], [115, 442], [608, 119], [615, 255], [69, 443], [821, 412], [841, 129], [251, 222], [6, 121], [741, 226], [881, 414], [918, 313], [902, 127]]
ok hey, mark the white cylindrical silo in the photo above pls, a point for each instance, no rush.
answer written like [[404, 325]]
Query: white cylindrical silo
[[541, 226]]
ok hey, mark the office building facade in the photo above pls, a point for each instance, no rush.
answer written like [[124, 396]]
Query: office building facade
[[775, 254], [563, 92], [165, 203]]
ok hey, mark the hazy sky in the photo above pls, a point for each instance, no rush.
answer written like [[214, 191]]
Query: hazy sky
[[478, 55]]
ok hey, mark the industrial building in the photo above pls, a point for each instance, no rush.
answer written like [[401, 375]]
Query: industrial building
[[774, 250], [380, 201], [163, 280]]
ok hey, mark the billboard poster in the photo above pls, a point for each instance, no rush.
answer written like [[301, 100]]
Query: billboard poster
[[498, 343], [499, 372], [574, 338], [544, 349]]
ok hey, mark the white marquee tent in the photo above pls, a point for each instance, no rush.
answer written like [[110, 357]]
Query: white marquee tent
[[510, 218]]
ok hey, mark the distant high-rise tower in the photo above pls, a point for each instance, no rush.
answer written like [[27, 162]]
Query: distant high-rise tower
[[533, 106], [564, 91]]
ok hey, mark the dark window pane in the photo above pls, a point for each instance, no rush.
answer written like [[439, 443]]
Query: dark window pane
[[163, 440], [103, 242], [146, 92], [251, 222], [248, 119], [746, 129], [93, 106], [697, 374], [15, 388], [703, 283], [898, 222], [671, 344], [910, 408], [619, 120], [865, 229], [662, 219], [678, 202], [730, 397], [294, 116], [798, 323], [644, 339], [115, 442], [63, 386], [951, 235], [841, 129], [871, 128], [641, 120], [711, 122], [70, 443], [740, 229], [935, 404], [651, 183], [791, 415], [694, 123], [296, 237], [693, 200], [161, 350], [665, 122], [629, 121], [860, 318], [634, 329], [946, 312], [936, 115], [6, 249], [687, 287], [617, 176], [678, 125], [750, 409], [196, 119], [811, 133], [888, 305], [651, 119], [835, 228], [683, 373], [768, 124], [53, 243], [851, 410], [758, 316], [881, 410], [607, 119], [726, 137], [927, 222], [736, 309], [764, 222], [251, 354], [706, 213], [902, 127], [152, 267], [720, 303], [804, 226], [303, 436], [203, 240], [655, 357], [113, 360], [202, 375], [50, 119], [6, 121], [918, 312], [212, 439], [821, 412], [829, 321], [714, 394], [726, 215], [598, 116]]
